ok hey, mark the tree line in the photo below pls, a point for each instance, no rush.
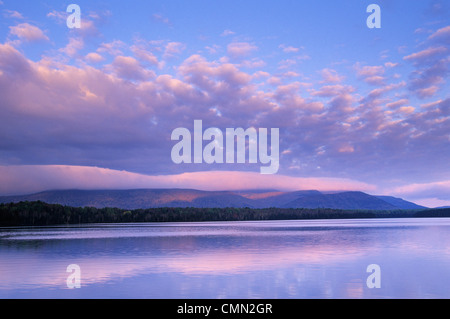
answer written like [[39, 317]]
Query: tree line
[[41, 214]]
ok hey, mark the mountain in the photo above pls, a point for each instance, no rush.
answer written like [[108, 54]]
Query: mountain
[[150, 198], [400, 203], [275, 198], [347, 200]]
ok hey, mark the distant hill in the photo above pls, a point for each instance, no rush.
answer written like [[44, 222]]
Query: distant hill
[[400, 203], [346, 200], [154, 198]]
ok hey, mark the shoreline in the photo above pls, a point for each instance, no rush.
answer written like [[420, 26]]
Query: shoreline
[[44, 214]]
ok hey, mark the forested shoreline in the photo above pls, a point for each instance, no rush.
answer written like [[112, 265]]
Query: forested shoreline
[[43, 214]]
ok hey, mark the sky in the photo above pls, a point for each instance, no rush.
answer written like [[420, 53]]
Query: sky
[[357, 108]]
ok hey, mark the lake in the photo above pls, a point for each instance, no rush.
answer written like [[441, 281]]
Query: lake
[[243, 260]]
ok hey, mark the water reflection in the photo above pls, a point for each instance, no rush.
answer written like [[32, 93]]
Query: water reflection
[[280, 259]]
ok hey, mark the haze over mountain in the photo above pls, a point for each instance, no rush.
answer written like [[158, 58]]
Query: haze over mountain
[[150, 198]]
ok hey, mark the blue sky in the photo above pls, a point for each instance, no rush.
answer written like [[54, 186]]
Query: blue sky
[[357, 108]]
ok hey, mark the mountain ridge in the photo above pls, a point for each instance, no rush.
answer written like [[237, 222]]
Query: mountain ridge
[[154, 198]]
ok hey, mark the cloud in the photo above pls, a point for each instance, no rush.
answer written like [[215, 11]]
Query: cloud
[[13, 64], [213, 49], [396, 104], [427, 54], [288, 96], [144, 55], [12, 14], [292, 62], [160, 18], [379, 92], [431, 104], [371, 74], [390, 65], [429, 76], [289, 49], [120, 115], [331, 76], [441, 35], [28, 32], [227, 33], [89, 22], [407, 109], [432, 65], [72, 48], [240, 49], [59, 16], [88, 28], [333, 90], [94, 57], [113, 48], [173, 49], [439, 190], [346, 149], [29, 179], [127, 67], [199, 71], [368, 71]]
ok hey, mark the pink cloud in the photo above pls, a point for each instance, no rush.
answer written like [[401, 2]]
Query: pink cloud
[[252, 64], [13, 14], [94, 57], [333, 90], [227, 33], [14, 63], [82, 115], [423, 55], [144, 55], [431, 104], [368, 71], [198, 70], [441, 34], [375, 80], [129, 68], [427, 92], [28, 32], [346, 149], [28, 179], [390, 65], [331, 76], [378, 92], [289, 49], [72, 48], [398, 103], [173, 49], [371, 74], [240, 49], [407, 109], [113, 48], [159, 17], [425, 192]]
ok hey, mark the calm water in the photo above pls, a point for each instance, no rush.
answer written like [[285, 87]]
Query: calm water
[[275, 259]]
